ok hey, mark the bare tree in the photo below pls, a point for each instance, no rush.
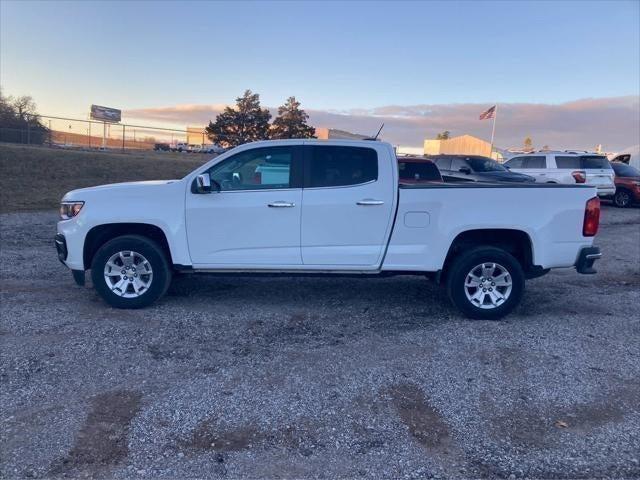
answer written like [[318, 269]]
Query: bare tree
[[24, 106]]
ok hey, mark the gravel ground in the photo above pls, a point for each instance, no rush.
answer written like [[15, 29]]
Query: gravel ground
[[255, 377]]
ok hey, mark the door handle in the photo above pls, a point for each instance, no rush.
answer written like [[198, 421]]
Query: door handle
[[281, 204], [369, 201]]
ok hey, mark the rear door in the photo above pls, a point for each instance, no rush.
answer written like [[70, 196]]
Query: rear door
[[347, 206], [536, 166]]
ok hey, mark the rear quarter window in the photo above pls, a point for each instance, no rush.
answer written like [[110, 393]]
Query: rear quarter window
[[568, 161], [594, 161]]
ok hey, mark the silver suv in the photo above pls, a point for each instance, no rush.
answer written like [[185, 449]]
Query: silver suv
[[566, 167]]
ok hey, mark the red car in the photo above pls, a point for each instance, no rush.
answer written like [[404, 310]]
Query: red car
[[413, 170], [627, 182]]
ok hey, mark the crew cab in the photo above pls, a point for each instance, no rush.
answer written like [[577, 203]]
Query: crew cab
[[325, 207]]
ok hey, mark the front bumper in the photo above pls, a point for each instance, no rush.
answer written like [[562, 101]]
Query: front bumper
[[586, 258], [61, 247], [63, 252]]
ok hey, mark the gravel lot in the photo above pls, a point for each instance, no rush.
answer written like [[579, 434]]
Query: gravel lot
[[254, 377]]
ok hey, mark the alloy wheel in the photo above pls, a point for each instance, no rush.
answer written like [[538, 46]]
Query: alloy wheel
[[488, 285], [128, 274]]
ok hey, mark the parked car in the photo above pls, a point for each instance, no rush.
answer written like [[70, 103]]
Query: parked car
[[627, 182], [472, 168], [164, 147], [325, 207], [211, 148], [180, 147], [568, 167], [413, 170]]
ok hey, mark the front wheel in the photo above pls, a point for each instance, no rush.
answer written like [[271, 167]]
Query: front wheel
[[130, 272], [622, 198], [485, 283]]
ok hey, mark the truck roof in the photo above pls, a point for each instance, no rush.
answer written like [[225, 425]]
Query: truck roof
[[316, 141]]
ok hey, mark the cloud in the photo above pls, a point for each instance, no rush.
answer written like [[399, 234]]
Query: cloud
[[613, 122]]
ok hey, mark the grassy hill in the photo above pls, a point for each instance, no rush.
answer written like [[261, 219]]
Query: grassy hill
[[36, 178]]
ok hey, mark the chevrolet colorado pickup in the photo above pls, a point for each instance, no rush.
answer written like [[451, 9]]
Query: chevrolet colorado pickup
[[325, 208]]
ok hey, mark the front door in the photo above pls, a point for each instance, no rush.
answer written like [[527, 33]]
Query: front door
[[254, 221], [347, 207]]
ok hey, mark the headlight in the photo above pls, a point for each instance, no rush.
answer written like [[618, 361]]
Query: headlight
[[70, 209]]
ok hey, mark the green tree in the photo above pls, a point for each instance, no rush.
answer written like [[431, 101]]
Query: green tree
[[291, 122], [444, 135], [528, 144], [247, 122]]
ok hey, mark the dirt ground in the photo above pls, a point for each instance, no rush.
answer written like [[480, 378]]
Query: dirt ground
[[317, 378]]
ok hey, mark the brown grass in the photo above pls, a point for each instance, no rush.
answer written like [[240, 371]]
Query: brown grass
[[36, 178]]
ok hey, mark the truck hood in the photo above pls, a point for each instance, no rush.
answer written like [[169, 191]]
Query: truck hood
[[126, 188]]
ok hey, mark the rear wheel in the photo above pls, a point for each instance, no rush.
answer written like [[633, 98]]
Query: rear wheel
[[485, 283], [622, 198], [130, 272]]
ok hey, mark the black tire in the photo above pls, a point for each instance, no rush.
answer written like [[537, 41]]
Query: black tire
[[622, 198], [151, 251], [465, 263]]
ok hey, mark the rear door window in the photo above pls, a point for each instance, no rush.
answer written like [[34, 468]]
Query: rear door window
[[534, 162], [340, 166]]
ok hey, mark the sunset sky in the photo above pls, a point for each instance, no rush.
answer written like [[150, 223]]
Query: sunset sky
[[566, 73]]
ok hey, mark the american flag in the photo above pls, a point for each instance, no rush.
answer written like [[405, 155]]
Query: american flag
[[488, 113]]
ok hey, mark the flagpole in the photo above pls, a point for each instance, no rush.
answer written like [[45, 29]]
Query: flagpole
[[493, 130]]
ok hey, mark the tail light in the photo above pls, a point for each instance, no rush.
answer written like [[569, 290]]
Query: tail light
[[591, 217], [579, 176]]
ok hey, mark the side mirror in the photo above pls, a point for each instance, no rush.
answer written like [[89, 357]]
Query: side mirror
[[466, 170], [204, 184]]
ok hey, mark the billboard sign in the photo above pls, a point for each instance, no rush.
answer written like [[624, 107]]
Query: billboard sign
[[105, 114]]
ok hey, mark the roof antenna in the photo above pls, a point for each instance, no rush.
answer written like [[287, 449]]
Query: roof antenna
[[376, 137]]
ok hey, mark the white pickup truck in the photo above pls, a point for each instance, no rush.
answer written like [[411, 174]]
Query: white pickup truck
[[325, 208]]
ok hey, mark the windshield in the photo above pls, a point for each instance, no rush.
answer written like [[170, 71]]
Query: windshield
[[623, 170], [485, 165]]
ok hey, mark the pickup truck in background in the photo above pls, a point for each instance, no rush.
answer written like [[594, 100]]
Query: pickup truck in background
[[319, 207]]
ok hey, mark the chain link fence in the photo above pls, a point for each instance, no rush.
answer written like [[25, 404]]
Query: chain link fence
[[76, 133]]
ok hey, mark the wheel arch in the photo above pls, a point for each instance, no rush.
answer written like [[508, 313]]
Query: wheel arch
[[101, 234], [517, 242]]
